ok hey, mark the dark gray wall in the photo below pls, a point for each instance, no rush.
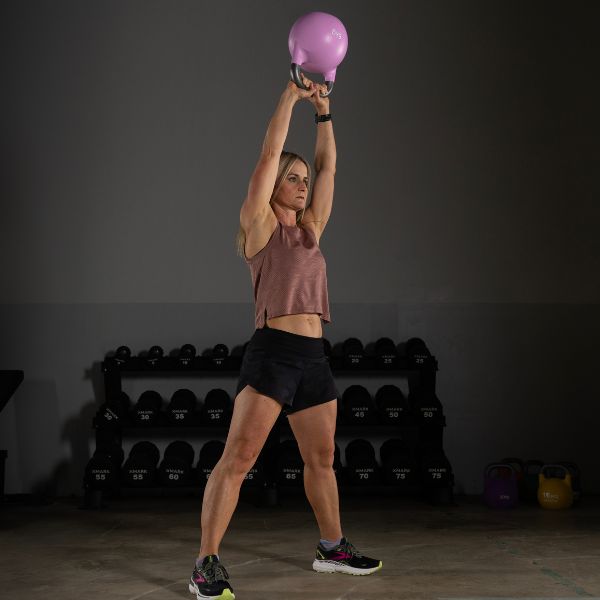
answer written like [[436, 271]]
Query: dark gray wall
[[465, 211]]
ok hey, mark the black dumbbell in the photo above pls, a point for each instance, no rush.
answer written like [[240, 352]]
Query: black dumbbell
[[218, 356], [122, 354], [107, 417], [216, 410], [152, 357], [186, 355], [176, 468], [114, 413], [399, 467], [101, 472], [155, 355], [139, 469], [181, 410], [289, 465], [210, 454], [434, 467], [392, 406], [220, 351], [361, 464], [327, 347], [147, 410], [353, 353], [386, 355], [417, 352], [426, 408], [357, 406]]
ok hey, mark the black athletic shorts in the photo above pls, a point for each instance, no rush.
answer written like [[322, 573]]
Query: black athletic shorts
[[293, 369]]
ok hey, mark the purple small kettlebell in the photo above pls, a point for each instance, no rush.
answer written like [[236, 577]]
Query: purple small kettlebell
[[318, 43], [500, 491]]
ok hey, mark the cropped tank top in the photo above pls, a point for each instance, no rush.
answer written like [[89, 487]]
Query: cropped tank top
[[289, 275]]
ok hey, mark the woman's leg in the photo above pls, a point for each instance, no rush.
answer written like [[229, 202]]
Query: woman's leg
[[314, 429], [253, 418]]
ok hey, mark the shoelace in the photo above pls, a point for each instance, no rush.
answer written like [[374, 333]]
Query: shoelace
[[350, 548], [215, 572]]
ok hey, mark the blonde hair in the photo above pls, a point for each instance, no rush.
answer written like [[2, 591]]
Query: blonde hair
[[286, 160]]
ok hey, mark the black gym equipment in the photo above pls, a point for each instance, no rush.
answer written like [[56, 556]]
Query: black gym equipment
[[102, 472], [155, 354], [146, 412], [426, 409], [361, 464], [289, 465], [176, 468], [386, 355], [399, 466], [393, 407], [139, 470], [181, 411], [357, 406], [122, 354], [435, 470], [217, 408], [114, 413], [219, 356], [353, 354], [186, 355], [417, 352], [388, 406]]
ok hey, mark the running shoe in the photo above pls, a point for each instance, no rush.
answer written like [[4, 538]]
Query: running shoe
[[209, 582], [344, 558]]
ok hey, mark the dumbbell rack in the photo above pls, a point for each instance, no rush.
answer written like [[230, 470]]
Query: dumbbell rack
[[419, 371]]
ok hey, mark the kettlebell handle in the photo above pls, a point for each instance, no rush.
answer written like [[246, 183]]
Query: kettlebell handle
[[562, 467], [295, 74], [491, 466]]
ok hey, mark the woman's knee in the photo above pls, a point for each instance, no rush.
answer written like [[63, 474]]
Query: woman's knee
[[240, 456], [320, 457]]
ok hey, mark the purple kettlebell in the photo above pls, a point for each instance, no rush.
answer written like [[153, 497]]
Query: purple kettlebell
[[500, 491], [318, 43]]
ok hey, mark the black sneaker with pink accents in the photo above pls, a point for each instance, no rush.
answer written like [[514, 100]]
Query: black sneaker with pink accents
[[345, 558], [209, 581]]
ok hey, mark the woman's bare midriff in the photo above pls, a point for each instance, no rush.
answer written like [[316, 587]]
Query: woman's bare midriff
[[308, 324]]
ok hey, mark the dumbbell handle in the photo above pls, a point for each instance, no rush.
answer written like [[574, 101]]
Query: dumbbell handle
[[295, 73]]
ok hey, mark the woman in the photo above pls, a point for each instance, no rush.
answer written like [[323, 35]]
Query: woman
[[284, 366]]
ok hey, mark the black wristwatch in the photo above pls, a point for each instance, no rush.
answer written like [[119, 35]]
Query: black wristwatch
[[322, 118]]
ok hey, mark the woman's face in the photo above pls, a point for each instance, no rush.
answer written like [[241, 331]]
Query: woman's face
[[294, 188]]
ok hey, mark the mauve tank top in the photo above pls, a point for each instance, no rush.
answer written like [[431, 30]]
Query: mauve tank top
[[289, 275]]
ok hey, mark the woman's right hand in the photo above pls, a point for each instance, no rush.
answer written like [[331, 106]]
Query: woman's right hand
[[298, 92]]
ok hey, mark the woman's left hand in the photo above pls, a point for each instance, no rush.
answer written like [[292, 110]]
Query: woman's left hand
[[320, 104]]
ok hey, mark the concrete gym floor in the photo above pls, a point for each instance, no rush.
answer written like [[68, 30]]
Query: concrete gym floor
[[145, 548]]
